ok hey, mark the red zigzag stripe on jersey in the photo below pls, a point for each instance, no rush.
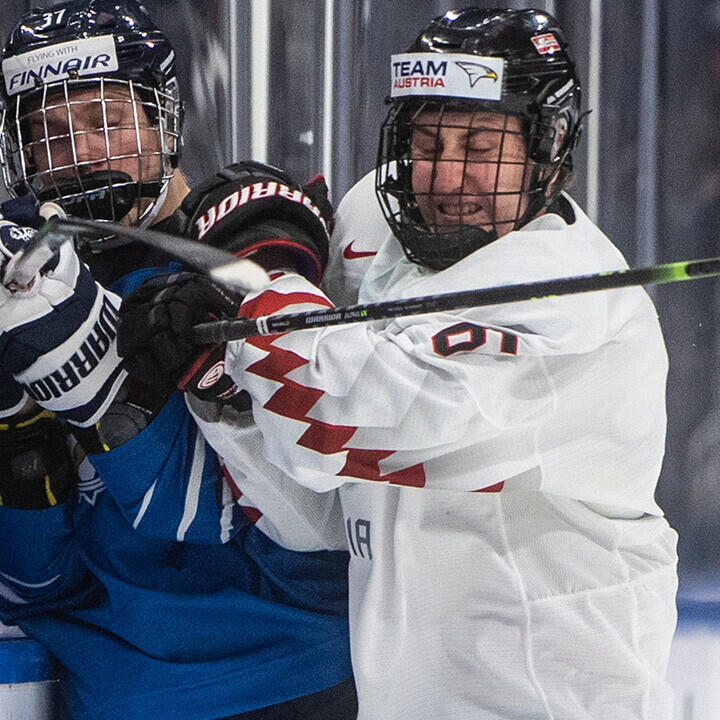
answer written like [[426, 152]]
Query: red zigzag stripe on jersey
[[294, 400], [252, 513]]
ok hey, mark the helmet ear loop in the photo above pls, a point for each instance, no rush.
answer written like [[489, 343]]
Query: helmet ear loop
[[562, 167], [179, 110], [544, 192], [138, 106]]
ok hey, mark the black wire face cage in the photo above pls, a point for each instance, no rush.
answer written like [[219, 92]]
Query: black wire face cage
[[452, 177], [103, 149]]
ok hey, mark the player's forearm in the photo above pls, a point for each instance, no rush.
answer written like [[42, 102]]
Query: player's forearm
[[38, 559], [381, 404], [291, 515]]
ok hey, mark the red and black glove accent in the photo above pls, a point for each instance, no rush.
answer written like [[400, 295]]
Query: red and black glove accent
[[155, 334], [256, 210]]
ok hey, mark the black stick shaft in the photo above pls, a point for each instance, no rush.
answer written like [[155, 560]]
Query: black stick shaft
[[224, 330]]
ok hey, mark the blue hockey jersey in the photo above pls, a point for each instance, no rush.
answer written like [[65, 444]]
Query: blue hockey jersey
[[159, 596]]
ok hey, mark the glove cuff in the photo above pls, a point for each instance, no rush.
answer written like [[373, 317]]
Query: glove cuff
[[279, 244]]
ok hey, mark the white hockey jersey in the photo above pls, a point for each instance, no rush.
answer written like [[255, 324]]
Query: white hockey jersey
[[496, 468]]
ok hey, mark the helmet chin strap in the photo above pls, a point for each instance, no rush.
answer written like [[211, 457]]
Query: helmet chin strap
[[157, 205], [103, 195]]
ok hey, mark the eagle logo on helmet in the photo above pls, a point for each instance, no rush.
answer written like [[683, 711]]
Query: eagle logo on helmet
[[476, 72]]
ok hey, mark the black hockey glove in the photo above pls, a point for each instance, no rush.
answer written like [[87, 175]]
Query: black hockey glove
[[36, 469], [155, 334], [256, 210]]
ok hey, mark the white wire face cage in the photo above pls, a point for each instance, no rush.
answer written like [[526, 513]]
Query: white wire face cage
[[103, 149]]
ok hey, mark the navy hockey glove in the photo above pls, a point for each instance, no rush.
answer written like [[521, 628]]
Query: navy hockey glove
[[57, 334], [13, 397], [25, 211], [155, 334], [256, 210]]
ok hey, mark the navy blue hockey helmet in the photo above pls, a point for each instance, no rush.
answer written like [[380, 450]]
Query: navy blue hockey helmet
[[67, 63], [463, 66]]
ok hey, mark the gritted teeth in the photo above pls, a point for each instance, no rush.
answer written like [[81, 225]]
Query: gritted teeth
[[460, 209], [470, 208]]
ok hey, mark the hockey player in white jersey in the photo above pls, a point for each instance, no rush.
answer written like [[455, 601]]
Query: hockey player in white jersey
[[496, 466]]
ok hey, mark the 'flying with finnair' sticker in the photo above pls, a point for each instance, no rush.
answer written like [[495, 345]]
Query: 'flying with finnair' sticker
[[72, 59]]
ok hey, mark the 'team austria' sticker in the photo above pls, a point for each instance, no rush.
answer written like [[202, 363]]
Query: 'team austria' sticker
[[447, 74]]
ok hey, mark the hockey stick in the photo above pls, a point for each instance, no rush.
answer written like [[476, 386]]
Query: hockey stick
[[223, 330], [220, 265]]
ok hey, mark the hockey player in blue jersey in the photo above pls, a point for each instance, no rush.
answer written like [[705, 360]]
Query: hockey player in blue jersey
[[131, 557]]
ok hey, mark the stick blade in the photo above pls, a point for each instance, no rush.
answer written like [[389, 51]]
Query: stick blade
[[241, 274]]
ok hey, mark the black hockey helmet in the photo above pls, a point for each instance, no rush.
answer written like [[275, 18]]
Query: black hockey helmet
[[464, 64], [79, 45]]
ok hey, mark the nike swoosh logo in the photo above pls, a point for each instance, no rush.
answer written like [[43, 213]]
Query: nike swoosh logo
[[350, 254]]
